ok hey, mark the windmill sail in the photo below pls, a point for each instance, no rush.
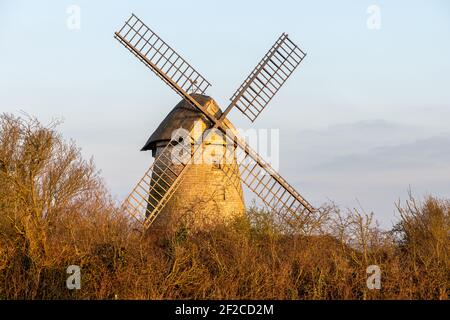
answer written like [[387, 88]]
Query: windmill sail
[[158, 184], [267, 78], [274, 191], [156, 54], [166, 173]]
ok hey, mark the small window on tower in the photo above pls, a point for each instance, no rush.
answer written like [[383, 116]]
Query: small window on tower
[[219, 193], [217, 165]]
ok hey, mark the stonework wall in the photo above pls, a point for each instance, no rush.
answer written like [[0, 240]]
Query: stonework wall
[[209, 194]]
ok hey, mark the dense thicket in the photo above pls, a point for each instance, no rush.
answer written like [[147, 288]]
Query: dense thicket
[[55, 211]]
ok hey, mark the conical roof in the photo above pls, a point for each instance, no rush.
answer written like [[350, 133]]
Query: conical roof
[[183, 115]]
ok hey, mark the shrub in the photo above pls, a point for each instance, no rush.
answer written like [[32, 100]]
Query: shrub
[[55, 211]]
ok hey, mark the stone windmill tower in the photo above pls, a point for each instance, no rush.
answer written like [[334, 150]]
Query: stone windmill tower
[[200, 162], [207, 195]]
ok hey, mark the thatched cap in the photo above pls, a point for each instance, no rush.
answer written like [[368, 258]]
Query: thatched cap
[[183, 116]]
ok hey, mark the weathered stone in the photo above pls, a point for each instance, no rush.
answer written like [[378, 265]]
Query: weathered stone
[[210, 192]]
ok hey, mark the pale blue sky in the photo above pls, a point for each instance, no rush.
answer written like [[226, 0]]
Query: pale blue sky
[[364, 117]]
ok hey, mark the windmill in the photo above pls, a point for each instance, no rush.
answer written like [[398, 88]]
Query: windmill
[[174, 168]]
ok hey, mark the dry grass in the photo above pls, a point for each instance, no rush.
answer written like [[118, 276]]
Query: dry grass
[[56, 212]]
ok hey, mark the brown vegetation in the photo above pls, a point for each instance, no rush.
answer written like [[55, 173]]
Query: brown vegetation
[[56, 212]]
